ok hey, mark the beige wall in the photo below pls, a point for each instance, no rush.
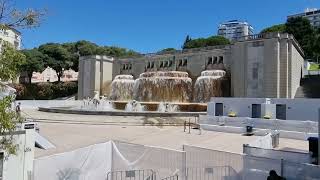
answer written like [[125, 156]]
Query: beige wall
[[94, 73], [296, 69], [279, 64]]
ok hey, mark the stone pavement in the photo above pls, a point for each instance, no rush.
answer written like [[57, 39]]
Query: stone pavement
[[68, 132]]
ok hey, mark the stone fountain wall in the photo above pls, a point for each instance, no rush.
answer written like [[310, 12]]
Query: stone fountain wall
[[170, 86], [161, 86], [122, 88], [211, 83]]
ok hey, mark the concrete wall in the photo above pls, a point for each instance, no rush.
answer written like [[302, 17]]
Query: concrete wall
[[296, 109], [20, 166], [241, 106], [94, 73], [300, 109], [259, 66], [196, 62], [296, 69]]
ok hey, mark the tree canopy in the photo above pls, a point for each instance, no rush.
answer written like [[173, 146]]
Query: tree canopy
[[10, 61], [59, 58], [204, 42], [306, 35], [276, 28], [35, 62]]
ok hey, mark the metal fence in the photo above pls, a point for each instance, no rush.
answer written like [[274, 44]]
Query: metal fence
[[176, 177], [211, 173], [132, 175]]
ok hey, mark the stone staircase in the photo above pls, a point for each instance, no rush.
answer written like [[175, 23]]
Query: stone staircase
[[310, 87]]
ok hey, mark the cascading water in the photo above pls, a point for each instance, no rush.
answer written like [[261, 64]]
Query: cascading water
[[208, 85], [170, 86], [134, 106], [97, 104], [167, 107], [122, 88]]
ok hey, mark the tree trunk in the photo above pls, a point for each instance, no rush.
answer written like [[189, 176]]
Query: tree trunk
[[59, 75], [30, 78]]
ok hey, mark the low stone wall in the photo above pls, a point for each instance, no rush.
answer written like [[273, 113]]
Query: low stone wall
[[300, 130], [121, 113]]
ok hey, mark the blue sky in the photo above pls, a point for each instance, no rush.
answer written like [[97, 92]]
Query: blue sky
[[150, 25]]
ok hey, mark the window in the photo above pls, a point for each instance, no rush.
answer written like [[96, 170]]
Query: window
[[152, 65], [180, 62], [255, 73], [148, 65], [170, 63], [215, 60], [161, 64], [185, 62], [220, 59], [123, 67], [210, 60]]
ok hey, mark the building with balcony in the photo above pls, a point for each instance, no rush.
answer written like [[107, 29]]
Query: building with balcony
[[235, 29], [313, 15]]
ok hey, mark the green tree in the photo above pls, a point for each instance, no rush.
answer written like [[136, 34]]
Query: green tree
[[59, 58], [304, 33], [10, 61], [34, 62], [204, 42], [86, 48], [276, 28], [167, 50]]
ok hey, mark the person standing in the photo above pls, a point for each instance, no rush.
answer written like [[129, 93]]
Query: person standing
[[18, 109]]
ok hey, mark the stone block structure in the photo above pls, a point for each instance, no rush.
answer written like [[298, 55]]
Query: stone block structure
[[264, 65]]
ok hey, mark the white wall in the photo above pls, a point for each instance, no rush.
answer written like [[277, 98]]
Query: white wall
[[297, 109], [20, 166], [241, 106], [300, 109], [12, 37]]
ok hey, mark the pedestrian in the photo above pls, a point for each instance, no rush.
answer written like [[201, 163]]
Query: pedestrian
[[274, 176], [18, 109]]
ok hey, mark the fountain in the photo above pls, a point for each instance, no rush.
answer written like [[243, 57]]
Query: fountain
[[159, 86], [122, 88], [101, 104], [167, 107], [208, 85], [134, 106]]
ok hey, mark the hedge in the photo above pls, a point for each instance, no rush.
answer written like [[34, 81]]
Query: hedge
[[45, 91]]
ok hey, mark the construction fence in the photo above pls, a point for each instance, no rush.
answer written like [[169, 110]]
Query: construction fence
[[125, 161]]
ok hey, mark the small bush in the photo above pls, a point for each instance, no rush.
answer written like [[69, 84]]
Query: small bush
[[45, 91]]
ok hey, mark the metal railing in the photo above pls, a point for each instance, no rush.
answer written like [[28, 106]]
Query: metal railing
[[208, 173], [132, 175], [175, 177]]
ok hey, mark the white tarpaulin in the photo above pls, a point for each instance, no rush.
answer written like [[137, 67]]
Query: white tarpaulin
[[164, 162], [89, 163]]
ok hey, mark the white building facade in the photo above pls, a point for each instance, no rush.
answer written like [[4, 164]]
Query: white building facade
[[235, 29], [12, 36], [313, 15]]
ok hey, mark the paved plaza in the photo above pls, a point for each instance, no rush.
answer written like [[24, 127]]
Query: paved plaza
[[69, 132]]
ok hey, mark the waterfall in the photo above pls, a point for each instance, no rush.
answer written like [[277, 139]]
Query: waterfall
[[208, 85], [122, 88], [162, 86]]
